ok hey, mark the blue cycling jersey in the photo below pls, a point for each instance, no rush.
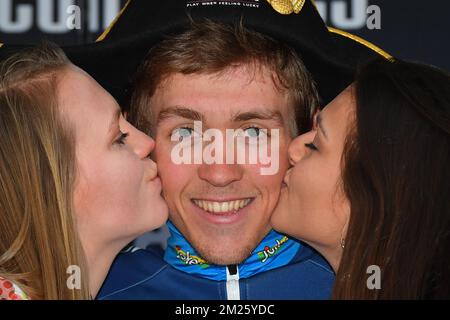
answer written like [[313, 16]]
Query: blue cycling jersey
[[279, 268]]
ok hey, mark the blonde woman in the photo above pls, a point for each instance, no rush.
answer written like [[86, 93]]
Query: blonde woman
[[76, 182]]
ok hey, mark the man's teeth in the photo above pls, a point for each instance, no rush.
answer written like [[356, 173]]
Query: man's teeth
[[218, 207]]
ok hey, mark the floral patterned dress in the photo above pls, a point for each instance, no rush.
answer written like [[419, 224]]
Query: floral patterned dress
[[10, 291]]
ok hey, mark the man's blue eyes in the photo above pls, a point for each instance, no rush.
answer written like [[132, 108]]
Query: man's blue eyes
[[251, 132], [185, 132]]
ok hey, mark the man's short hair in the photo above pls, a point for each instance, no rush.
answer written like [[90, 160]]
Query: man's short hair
[[209, 47]]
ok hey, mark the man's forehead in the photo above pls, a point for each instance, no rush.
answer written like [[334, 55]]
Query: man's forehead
[[218, 97], [235, 77]]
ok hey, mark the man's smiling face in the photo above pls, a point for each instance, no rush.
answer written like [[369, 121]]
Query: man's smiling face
[[223, 210]]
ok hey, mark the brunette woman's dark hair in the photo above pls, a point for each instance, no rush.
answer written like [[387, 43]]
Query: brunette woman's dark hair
[[396, 175]]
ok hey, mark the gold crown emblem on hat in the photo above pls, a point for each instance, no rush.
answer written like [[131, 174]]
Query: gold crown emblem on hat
[[287, 6]]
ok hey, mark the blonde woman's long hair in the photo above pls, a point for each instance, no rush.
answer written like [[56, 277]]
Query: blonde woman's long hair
[[38, 237]]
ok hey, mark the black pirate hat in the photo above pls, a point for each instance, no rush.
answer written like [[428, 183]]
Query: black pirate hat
[[329, 54]]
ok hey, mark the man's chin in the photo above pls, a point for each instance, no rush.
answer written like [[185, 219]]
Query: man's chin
[[222, 256], [224, 252], [224, 246]]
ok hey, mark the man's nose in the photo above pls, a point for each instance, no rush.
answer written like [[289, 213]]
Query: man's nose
[[220, 175], [297, 147]]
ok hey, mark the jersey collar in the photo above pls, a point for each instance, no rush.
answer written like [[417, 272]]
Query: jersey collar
[[274, 251]]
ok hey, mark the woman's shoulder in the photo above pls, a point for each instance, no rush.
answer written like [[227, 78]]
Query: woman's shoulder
[[10, 291]]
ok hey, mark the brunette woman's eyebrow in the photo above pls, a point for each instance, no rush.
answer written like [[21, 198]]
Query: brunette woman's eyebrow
[[319, 121]]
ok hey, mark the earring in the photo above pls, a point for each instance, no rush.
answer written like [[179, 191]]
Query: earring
[[342, 235]]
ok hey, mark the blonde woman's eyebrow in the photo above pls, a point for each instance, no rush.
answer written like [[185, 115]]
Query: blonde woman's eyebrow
[[115, 118]]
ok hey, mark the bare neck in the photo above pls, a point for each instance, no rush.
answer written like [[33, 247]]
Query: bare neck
[[332, 254], [99, 259]]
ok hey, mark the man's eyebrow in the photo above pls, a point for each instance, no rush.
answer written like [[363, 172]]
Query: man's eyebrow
[[115, 118], [319, 120], [261, 115], [178, 111]]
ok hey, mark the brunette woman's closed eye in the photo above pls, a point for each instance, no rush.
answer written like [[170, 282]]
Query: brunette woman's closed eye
[[311, 146]]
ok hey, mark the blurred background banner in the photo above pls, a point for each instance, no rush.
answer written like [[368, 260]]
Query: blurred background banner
[[411, 29], [29, 21]]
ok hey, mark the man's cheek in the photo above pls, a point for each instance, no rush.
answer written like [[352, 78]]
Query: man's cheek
[[256, 173], [174, 178], [161, 149]]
